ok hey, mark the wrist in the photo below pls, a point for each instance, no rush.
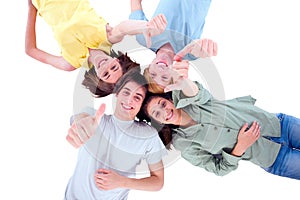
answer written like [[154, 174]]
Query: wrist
[[237, 151], [125, 182]]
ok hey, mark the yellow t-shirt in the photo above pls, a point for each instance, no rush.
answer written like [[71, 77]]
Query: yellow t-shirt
[[76, 27]]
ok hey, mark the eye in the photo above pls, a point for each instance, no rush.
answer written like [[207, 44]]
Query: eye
[[105, 74], [164, 104], [152, 75], [164, 77], [126, 93], [114, 68], [137, 98]]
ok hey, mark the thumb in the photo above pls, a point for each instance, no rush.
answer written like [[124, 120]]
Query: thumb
[[102, 171], [147, 38], [100, 113], [182, 53]]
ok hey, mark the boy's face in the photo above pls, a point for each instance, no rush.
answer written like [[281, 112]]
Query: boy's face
[[129, 101]]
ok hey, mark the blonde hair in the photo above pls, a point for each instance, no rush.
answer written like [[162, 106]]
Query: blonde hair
[[152, 85]]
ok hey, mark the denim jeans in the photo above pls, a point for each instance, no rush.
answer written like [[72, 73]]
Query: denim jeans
[[287, 163]]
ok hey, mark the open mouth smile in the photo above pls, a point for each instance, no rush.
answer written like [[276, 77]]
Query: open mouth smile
[[169, 115]]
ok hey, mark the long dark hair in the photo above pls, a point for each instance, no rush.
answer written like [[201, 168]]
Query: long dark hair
[[164, 130], [100, 88]]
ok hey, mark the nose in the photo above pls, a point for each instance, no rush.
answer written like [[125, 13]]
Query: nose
[[160, 68], [129, 101]]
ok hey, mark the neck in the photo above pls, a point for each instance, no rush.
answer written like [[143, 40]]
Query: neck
[[166, 49], [185, 119]]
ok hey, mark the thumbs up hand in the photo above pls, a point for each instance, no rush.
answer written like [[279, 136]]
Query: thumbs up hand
[[84, 127]]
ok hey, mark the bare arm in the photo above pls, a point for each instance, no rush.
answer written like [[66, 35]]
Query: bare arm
[[31, 48], [136, 5], [108, 180], [133, 27]]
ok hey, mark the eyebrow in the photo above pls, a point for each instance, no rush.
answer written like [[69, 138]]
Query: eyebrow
[[139, 94], [153, 74]]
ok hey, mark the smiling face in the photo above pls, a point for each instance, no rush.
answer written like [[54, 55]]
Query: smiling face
[[159, 69], [108, 69], [163, 111], [129, 101]]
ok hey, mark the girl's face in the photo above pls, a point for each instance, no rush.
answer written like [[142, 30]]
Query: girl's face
[[163, 111], [159, 70], [108, 69], [129, 101]]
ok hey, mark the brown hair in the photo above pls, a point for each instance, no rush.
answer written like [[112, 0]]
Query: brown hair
[[131, 76], [164, 130], [100, 88]]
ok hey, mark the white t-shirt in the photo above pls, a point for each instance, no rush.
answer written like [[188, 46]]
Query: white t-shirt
[[119, 146]]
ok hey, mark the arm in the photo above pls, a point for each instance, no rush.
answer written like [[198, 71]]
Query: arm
[[136, 5], [31, 48], [83, 127], [133, 27], [220, 164], [108, 180]]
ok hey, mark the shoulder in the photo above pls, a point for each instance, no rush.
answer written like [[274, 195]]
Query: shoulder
[[145, 129]]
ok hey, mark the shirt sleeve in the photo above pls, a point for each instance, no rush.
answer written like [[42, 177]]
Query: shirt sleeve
[[156, 150], [202, 97], [138, 15], [220, 164]]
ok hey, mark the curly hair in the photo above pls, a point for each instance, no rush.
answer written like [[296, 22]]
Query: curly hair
[[100, 88]]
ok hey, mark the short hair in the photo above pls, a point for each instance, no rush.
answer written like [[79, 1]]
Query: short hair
[[131, 76], [100, 88]]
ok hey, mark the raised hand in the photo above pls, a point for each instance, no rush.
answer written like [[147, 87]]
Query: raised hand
[[179, 72], [155, 27], [246, 138], [200, 48], [83, 128]]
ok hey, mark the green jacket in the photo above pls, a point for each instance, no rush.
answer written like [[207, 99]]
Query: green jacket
[[209, 143]]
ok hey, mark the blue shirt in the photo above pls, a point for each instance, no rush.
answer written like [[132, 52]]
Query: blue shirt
[[185, 22]]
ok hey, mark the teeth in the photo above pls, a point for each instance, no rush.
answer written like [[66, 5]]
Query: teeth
[[169, 115], [162, 63], [126, 107]]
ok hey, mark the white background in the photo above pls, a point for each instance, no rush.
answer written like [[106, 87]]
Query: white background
[[258, 55]]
